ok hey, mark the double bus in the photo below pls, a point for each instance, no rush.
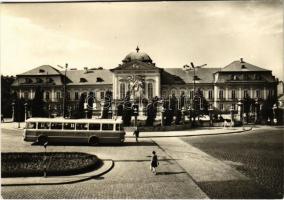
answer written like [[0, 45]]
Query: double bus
[[92, 131]]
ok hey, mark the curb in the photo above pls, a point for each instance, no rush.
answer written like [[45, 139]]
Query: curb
[[67, 182], [191, 135]]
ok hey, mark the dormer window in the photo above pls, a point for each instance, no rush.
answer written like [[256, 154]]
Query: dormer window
[[28, 80], [99, 79], [83, 80], [49, 80], [39, 80], [41, 70]]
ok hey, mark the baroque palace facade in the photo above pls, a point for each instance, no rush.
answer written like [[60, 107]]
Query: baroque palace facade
[[222, 87]]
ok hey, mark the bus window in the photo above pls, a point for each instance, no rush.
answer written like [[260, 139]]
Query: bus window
[[81, 126], [94, 127], [56, 126], [117, 127], [107, 127], [43, 125], [31, 125], [69, 126]]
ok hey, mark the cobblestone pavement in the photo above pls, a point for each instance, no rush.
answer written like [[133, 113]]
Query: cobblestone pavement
[[130, 177], [258, 154]]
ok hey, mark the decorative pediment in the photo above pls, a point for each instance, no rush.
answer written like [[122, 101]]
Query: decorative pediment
[[136, 65]]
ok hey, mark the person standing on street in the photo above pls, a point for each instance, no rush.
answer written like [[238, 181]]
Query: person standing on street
[[136, 133], [154, 162]]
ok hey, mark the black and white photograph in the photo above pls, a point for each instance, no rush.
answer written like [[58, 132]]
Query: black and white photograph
[[142, 99]]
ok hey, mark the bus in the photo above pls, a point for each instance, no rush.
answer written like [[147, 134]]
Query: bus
[[92, 131]]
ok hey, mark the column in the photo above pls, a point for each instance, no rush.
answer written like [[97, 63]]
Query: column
[[52, 95], [215, 95], [158, 87], [227, 93], [240, 93], [264, 93], [251, 92], [31, 94]]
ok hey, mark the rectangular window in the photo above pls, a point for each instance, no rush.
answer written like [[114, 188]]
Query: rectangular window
[[58, 95], [47, 95], [31, 125], [68, 95], [210, 94], [69, 126], [233, 94], [221, 94], [257, 94], [56, 126], [94, 126], [76, 95], [43, 125], [245, 94], [191, 94], [234, 106], [102, 95], [221, 106], [81, 126], [107, 127], [117, 127]]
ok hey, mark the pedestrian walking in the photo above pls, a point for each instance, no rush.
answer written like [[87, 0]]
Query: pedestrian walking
[[154, 162], [136, 133]]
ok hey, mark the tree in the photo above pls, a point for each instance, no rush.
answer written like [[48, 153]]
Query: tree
[[248, 103], [80, 112], [107, 104], [38, 104], [6, 107], [90, 101], [127, 110], [19, 109], [200, 104], [266, 111]]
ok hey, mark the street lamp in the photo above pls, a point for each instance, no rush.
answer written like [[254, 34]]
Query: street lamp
[[232, 115], [274, 114], [26, 104], [13, 111], [192, 67], [240, 110], [210, 110]]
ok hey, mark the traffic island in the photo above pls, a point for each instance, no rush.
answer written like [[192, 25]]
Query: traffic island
[[66, 168]]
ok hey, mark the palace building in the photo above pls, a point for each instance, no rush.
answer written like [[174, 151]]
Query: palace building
[[222, 87]]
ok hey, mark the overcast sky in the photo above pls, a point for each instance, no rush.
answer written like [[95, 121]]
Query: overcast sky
[[172, 33]]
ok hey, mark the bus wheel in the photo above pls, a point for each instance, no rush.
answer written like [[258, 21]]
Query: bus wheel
[[42, 139], [94, 141]]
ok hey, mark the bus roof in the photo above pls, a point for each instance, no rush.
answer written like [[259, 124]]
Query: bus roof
[[62, 120]]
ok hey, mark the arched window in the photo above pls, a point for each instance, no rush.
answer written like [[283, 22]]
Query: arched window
[[122, 90], [150, 90]]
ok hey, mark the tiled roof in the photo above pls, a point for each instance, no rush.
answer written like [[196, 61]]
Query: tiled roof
[[236, 66], [136, 65], [42, 71], [91, 77], [179, 76]]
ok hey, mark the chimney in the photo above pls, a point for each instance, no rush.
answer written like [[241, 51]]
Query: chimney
[[242, 61]]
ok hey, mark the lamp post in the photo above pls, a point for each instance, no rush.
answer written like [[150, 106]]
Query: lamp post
[[13, 111], [210, 110], [240, 111], [26, 104], [274, 114], [256, 110], [49, 110], [232, 115], [192, 67]]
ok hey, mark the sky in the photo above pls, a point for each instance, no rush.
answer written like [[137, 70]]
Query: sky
[[173, 34]]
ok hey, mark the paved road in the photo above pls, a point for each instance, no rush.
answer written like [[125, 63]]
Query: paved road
[[191, 167], [258, 154], [130, 178]]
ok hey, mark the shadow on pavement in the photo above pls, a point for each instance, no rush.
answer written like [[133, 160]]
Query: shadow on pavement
[[142, 143], [169, 173], [148, 160]]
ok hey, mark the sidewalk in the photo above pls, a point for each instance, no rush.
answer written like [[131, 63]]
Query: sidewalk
[[55, 180], [191, 132]]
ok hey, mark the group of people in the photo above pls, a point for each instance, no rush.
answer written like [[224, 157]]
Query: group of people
[[154, 160]]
